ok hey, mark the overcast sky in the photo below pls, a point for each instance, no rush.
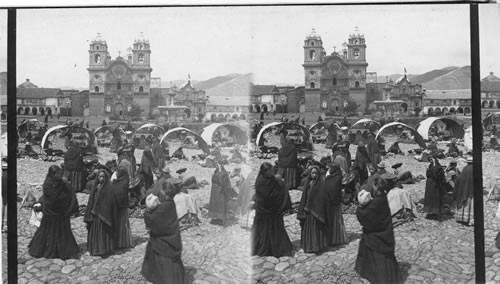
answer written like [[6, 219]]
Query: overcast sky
[[52, 44]]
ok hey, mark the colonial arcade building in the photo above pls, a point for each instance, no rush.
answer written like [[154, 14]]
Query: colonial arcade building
[[331, 79], [116, 84]]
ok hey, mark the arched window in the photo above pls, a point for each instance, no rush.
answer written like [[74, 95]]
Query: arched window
[[356, 52], [97, 58], [356, 84], [324, 104], [334, 81], [312, 54], [96, 89], [141, 89], [141, 58], [108, 108], [312, 85], [312, 43], [97, 47], [119, 86]]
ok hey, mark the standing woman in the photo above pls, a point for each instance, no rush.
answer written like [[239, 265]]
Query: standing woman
[[269, 237], [158, 153], [162, 261], [312, 213], [334, 218], [287, 163], [373, 150], [99, 216], [54, 238], [74, 168], [121, 223], [435, 187], [361, 162], [148, 166], [464, 195], [376, 259], [220, 194]]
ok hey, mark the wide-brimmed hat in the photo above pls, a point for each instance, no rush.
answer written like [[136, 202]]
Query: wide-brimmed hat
[[381, 165], [453, 161], [364, 197], [180, 171], [470, 159]]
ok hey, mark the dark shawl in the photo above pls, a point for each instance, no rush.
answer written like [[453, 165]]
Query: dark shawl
[[100, 202], [73, 159], [361, 160], [313, 200], [158, 151], [333, 186], [376, 220], [147, 162], [119, 188], [287, 156], [270, 196], [59, 198], [164, 231], [464, 187]]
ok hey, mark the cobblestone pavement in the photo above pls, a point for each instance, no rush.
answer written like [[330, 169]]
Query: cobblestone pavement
[[427, 251], [491, 168], [211, 253]]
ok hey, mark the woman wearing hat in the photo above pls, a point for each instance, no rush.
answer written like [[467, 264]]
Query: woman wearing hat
[[312, 213], [74, 168], [362, 160], [376, 260], [269, 236], [434, 190], [334, 218], [464, 195], [119, 191], [162, 260], [287, 163]]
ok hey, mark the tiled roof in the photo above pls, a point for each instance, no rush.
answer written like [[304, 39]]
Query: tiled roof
[[490, 86], [262, 89], [229, 101], [447, 94], [38, 93]]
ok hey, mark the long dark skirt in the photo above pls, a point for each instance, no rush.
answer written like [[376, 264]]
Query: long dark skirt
[[77, 179], [54, 239], [269, 237], [161, 269], [376, 267], [336, 226], [123, 234], [148, 180], [100, 238], [290, 176], [314, 235]]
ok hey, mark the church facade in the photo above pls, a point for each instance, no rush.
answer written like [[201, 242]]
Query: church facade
[[116, 84], [330, 80]]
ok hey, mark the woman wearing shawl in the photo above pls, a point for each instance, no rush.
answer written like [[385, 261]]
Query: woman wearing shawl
[[74, 169], [287, 163], [312, 213], [121, 223], [54, 238], [158, 153], [162, 260], [464, 195], [269, 237], [434, 190], [148, 166], [376, 260], [116, 141], [373, 150], [98, 216], [220, 194], [361, 162], [334, 219]]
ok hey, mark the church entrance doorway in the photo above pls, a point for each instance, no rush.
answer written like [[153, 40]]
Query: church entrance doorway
[[119, 110]]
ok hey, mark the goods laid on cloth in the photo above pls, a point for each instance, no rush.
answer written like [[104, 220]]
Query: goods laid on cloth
[[226, 134], [270, 135], [445, 127]]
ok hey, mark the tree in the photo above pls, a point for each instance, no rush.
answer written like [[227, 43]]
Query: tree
[[351, 107], [135, 112]]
